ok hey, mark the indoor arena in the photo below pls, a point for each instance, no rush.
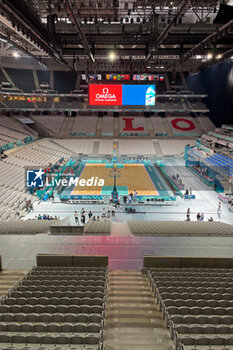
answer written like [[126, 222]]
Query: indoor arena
[[116, 170]]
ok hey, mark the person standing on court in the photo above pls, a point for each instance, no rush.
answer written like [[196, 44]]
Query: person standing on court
[[76, 217], [219, 210]]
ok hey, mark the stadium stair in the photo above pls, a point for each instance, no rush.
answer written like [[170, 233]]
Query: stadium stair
[[99, 126], [66, 127], [96, 148], [8, 278], [158, 150], [150, 127], [132, 317], [199, 125], [167, 127], [115, 127]]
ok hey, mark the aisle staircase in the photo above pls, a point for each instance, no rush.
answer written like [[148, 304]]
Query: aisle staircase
[[115, 127], [8, 278], [66, 127], [132, 317], [158, 151], [99, 127]]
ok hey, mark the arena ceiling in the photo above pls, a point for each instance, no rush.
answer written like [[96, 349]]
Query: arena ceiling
[[154, 35]]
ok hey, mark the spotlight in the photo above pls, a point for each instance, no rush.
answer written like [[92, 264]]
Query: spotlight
[[219, 56], [209, 56], [112, 56], [15, 54]]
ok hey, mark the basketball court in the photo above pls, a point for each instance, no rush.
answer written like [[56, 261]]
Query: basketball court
[[129, 177]]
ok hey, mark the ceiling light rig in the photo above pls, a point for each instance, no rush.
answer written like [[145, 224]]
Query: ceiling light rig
[[112, 56], [16, 54]]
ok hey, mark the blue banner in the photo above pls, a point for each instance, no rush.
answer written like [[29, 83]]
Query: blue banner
[[138, 95]]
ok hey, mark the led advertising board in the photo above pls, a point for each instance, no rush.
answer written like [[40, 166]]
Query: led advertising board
[[121, 95]]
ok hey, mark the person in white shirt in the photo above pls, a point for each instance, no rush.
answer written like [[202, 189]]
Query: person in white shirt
[[103, 213], [219, 210], [76, 217]]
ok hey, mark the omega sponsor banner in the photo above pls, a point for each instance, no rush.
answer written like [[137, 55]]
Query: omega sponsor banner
[[121, 95], [105, 95]]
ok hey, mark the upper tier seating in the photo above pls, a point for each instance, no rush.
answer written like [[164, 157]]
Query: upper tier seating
[[43, 76], [11, 131], [197, 106], [52, 123], [64, 82], [137, 123], [159, 126], [182, 125], [84, 126], [22, 78], [62, 104], [12, 124], [77, 146], [105, 146], [13, 187], [174, 147], [128, 147], [40, 154], [44, 105], [18, 104], [196, 304], [56, 306], [206, 123], [107, 128]]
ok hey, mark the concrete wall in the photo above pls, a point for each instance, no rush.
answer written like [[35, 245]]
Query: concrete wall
[[71, 260], [179, 262]]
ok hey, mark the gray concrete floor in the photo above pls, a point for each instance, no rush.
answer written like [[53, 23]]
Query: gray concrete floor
[[125, 252], [19, 251]]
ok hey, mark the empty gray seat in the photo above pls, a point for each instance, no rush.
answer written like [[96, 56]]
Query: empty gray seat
[[7, 318], [18, 338], [39, 327], [76, 340], [66, 328], [79, 328], [33, 339], [44, 318], [26, 327], [53, 327], [12, 327], [70, 318], [62, 339], [47, 339], [4, 338]]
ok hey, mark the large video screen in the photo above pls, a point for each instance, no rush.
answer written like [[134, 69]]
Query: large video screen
[[121, 95]]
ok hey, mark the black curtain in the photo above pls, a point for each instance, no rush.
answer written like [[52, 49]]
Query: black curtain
[[217, 83]]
